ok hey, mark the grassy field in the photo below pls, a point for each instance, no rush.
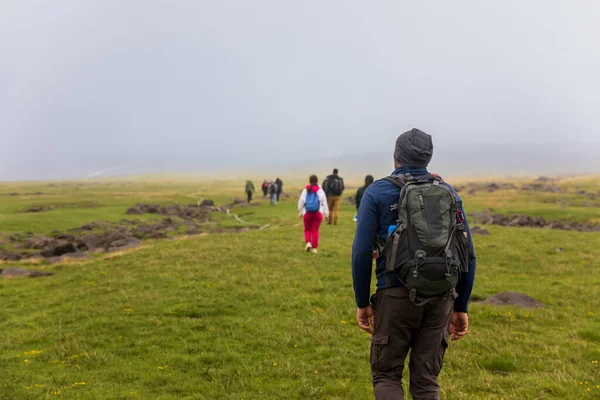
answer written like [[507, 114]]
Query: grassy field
[[251, 316]]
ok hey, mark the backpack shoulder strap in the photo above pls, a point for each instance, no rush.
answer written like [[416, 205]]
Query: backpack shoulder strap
[[399, 180]]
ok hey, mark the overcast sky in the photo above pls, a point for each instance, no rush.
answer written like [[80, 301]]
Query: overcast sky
[[106, 84]]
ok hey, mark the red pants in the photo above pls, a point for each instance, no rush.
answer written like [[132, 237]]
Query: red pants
[[312, 222]]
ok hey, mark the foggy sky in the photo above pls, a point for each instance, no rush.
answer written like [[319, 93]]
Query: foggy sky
[[102, 85]]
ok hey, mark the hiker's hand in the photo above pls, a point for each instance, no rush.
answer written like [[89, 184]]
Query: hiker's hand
[[366, 319], [459, 325]]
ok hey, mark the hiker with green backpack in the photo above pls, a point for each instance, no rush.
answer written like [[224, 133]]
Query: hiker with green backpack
[[414, 224], [249, 190]]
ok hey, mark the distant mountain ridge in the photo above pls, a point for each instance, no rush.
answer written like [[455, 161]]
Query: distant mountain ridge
[[464, 160], [475, 161]]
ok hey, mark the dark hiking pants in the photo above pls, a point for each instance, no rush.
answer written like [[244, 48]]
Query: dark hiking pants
[[401, 326], [249, 194]]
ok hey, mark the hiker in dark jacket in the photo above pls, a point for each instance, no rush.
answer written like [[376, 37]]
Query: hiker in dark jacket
[[359, 193], [279, 184], [265, 189], [397, 323], [334, 187]]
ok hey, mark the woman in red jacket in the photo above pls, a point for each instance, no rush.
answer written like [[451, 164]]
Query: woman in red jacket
[[312, 206]]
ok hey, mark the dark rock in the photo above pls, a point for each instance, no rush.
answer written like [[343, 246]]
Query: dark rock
[[63, 236], [9, 256], [131, 243], [135, 210], [13, 194], [118, 243], [476, 230], [513, 299], [21, 273], [36, 242], [39, 208], [77, 256], [58, 247], [207, 203], [91, 241]]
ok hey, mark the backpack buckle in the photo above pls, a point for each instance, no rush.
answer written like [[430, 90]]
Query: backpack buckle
[[448, 263], [413, 295]]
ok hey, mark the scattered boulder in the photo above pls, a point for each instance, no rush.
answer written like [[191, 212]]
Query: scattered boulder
[[13, 194], [58, 247], [489, 187], [77, 256], [559, 250], [9, 256], [20, 273], [36, 242], [39, 208], [542, 187], [519, 220], [207, 203], [173, 210], [513, 299], [90, 242], [477, 230]]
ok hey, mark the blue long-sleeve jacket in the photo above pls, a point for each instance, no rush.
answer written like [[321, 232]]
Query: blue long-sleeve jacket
[[375, 216]]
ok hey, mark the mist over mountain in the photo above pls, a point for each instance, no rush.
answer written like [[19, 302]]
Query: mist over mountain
[[465, 160], [110, 88]]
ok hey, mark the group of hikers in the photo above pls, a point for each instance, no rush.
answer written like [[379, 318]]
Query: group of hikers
[[272, 188], [413, 225]]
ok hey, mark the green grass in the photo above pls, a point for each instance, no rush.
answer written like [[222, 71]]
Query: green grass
[[251, 316]]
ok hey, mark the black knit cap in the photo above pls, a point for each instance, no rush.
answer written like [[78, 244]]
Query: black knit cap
[[414, 147]]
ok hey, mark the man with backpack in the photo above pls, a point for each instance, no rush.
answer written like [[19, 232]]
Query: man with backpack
[[273, 190], [333, 187], [425, 270], [249, 190], [265, 189]]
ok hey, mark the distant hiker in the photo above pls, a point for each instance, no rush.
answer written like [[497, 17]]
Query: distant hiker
[[249, 190], [265, 189], [279, 184], [273, 192], [312, 207], [425, 271], [333, 187], [359, 193]]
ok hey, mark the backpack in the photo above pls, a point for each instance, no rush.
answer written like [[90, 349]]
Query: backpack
[[335, 186], [273, 187], [249, 186], [312, 203], [429, 248]]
